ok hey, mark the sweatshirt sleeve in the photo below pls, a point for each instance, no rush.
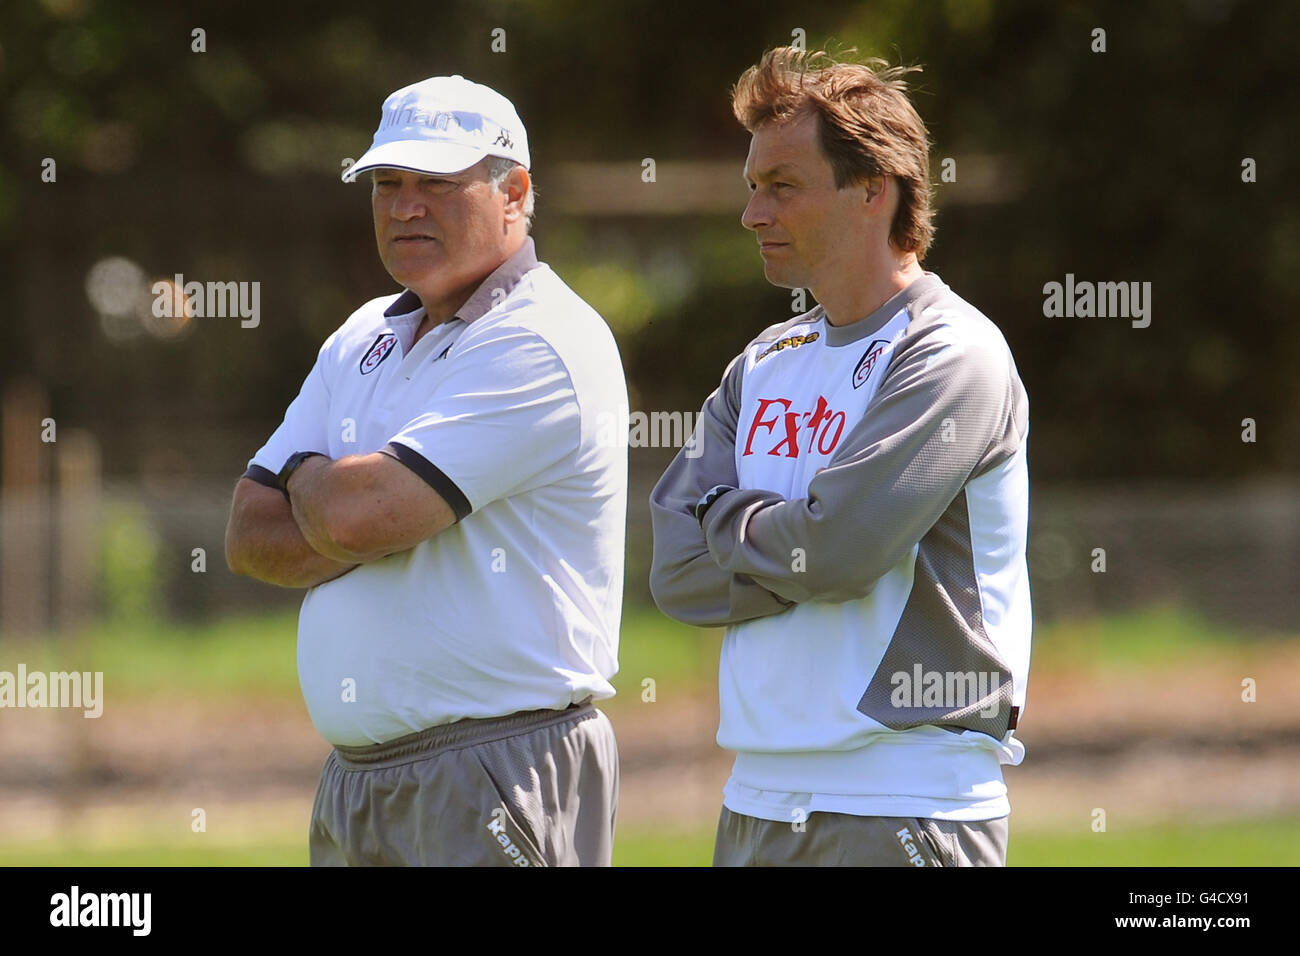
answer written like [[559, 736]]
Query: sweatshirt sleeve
[[947, 410], [685, 580]]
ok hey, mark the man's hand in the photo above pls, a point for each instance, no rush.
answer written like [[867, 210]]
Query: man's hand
[[364, 507], [263, 541]]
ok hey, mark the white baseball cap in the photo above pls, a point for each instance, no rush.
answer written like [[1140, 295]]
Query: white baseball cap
[[444, 124]]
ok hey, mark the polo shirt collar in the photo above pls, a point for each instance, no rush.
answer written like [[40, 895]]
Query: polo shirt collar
[[505, 277]]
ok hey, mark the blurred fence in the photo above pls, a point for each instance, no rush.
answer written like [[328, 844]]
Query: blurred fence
[[1231, 553]]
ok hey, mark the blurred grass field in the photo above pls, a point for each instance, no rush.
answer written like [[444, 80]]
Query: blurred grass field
[[1253, 842], [255, 656], [253, 659]]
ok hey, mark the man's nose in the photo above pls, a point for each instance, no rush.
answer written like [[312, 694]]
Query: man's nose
[[756, 214], [408, 203]]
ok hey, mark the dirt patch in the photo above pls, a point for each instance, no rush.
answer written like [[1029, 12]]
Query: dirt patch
[[1145, 744]]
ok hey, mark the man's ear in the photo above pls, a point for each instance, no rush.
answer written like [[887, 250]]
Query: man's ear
[[874, 187], [516, 186]]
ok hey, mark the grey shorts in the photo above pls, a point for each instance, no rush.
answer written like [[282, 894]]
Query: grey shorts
[[841, 839], [538, 788]]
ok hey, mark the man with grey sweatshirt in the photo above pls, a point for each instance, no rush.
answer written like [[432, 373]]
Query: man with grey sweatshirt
[[853, 506]]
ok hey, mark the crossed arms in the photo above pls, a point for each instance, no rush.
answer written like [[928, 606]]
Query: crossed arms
[[941, 416], [503, 420], [344, 512]]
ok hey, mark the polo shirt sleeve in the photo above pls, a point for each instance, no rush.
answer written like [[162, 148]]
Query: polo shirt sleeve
[[504, 420], [305, 426]]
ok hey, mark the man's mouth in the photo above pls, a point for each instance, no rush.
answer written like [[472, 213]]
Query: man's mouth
[[414, 238]]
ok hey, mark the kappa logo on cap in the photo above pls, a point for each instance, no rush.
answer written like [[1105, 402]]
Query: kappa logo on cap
[[867, 363], [382, 348]]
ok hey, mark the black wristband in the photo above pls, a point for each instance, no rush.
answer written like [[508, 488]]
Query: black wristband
[[290, 466], [704, 504]]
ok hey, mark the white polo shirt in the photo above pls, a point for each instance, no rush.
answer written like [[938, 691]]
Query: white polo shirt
[[516, 606]]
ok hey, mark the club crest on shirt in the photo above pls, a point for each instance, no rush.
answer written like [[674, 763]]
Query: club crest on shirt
[[868, 362], [381, 349]]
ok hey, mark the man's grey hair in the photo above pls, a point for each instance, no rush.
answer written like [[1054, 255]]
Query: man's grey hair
[[498, 168]]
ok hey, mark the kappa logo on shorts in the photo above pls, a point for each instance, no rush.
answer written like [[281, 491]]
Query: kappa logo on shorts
[[381, 349], [905, 839], [868, 362], [497, 827]]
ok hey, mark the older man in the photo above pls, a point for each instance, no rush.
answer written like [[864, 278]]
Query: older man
[[441, 488], [854, 508]]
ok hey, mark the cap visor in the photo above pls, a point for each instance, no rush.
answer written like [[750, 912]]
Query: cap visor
[[438, 159]]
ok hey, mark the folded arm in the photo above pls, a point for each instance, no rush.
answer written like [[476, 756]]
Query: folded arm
[[944, 414], [263, 541], [365, 507], [685, 580]]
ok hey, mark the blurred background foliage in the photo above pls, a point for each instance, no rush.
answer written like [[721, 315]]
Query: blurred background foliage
[[1115, 166]]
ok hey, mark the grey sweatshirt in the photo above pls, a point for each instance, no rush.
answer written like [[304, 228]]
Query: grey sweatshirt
[[869, 568]]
